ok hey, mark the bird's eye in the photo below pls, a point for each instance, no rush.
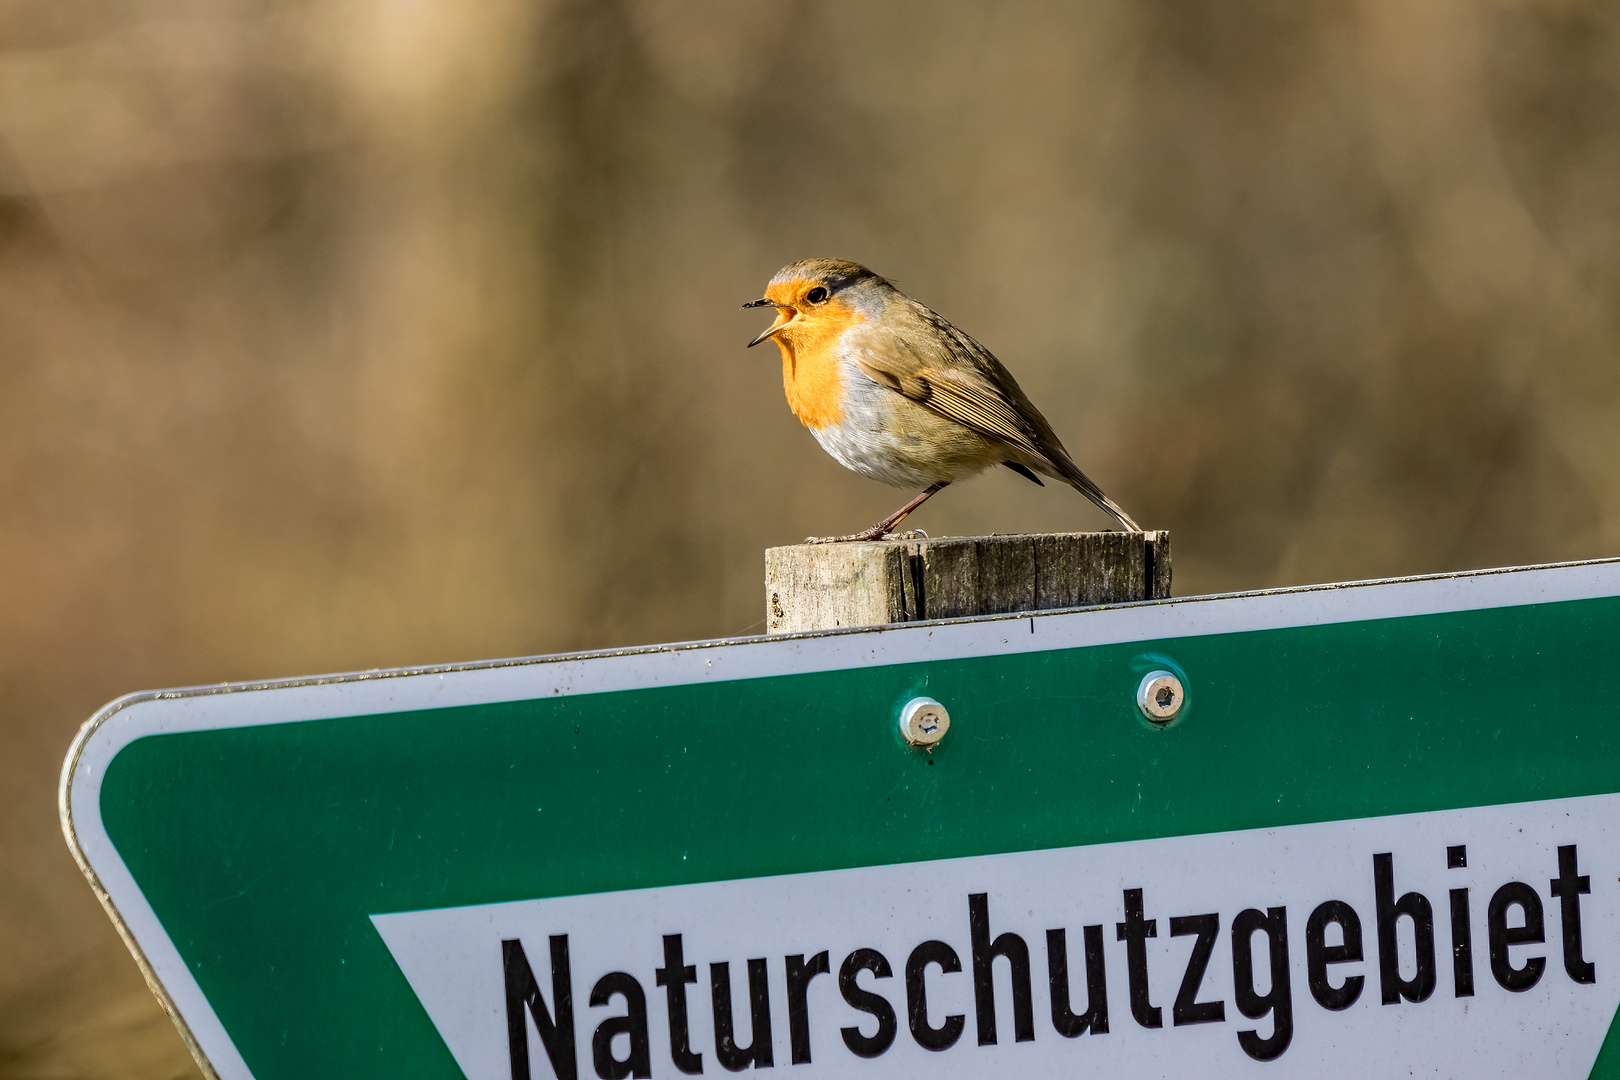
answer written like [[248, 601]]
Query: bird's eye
[[816, 295]]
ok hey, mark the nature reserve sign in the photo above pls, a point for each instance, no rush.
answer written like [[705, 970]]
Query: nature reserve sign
[[1379, 836]]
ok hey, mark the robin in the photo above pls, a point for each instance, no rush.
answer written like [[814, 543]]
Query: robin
[[895, 392]]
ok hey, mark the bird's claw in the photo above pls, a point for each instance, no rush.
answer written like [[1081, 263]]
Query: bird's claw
[[868, 535]]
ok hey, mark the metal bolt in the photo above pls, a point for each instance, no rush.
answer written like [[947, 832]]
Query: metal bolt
[[924, 721], [1160, 696]]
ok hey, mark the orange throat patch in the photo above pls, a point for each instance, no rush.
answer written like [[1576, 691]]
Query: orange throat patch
[[810, 375]]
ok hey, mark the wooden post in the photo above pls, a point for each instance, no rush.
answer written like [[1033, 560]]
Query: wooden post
[[826, 586]]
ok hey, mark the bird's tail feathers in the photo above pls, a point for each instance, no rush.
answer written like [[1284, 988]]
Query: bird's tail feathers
[[1071, 474]]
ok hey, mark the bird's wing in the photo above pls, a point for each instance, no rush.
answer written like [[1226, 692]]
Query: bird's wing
[[931, 362], [973, 401], [918, 353]]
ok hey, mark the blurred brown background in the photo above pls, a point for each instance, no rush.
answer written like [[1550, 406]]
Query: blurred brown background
[[350, 333]]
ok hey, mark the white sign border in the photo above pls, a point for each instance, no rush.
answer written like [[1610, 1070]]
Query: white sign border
[[247, 704]]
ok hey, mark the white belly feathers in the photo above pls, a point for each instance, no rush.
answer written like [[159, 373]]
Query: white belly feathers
[[890, 438]]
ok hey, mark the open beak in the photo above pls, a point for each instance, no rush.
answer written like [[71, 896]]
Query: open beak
[[783, 317]]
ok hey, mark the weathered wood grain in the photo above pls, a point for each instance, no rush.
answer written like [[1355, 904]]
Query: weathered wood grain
[[827, 586]]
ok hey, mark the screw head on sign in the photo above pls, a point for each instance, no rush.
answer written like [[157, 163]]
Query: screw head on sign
[[1160, 696], [924, 721]]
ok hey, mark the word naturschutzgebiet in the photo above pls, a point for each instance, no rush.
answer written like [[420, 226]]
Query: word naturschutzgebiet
[[1270, 936]]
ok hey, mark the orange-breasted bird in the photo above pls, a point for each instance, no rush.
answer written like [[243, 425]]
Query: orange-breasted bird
[[895, 392]]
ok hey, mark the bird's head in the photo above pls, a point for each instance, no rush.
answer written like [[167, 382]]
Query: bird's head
[[816, 299]]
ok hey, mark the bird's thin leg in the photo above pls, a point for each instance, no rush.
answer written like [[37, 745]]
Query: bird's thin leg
[[884, 527]]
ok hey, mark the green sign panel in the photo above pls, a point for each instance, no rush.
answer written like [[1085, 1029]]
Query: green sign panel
[[1366, 830]]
